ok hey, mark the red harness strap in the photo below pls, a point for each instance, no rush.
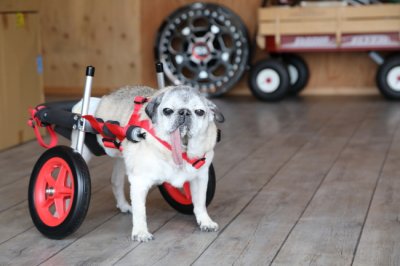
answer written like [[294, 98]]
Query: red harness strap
[[120, 132], [35, 123], [108, 141]]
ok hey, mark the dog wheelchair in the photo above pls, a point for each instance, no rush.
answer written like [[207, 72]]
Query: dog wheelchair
[[59, 187]]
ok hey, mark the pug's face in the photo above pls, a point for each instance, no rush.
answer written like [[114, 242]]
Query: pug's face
[[180, 111]]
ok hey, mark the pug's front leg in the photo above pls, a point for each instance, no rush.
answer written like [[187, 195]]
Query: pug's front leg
[[198, 188], [117, 182], [139, 190]]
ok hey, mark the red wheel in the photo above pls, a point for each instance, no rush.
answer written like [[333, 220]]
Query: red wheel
[[181, 199], [59, 192], [182, 196], [54, 191]]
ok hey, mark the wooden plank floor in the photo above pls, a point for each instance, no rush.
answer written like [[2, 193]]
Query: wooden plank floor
[[302, 182]]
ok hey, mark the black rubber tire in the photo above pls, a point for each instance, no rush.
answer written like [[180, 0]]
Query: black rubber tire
[[279, 68], [188, 209], [303, 73], [174, 75], [382, 74], [81, 197]]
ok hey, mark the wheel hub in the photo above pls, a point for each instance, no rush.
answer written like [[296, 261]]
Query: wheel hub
[[268, 80], [201, 51], [293, 74], [393, 78], [54, 192], [50, 192]]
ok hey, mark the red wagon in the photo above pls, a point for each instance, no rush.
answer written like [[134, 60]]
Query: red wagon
[[284, 31]]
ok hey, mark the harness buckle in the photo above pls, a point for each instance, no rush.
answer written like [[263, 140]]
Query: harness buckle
[[199, 163], [140, 100], [111, 143]]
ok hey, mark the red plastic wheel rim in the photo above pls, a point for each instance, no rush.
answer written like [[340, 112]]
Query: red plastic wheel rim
[[182, 196], [54, 192]]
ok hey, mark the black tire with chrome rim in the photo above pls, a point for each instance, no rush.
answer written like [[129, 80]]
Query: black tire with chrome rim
[[205, 46]]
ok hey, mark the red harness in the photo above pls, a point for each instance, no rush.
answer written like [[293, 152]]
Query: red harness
[[120, 132]]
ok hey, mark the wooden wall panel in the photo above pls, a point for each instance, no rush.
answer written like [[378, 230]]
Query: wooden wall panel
[[341, 73], [21, 83], [118, 38], [102, 33], [3, 133], [19, 5]]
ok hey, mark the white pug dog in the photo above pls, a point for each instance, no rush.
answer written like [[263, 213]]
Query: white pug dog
[[184, 119]]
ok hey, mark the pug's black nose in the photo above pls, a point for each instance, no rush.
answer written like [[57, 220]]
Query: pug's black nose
[[184, 112]]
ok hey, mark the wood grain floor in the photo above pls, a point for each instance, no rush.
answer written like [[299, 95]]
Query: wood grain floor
[[313, 181]]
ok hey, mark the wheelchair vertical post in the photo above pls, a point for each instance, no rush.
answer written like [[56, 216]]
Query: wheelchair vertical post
[[160, 75], [85, 107]]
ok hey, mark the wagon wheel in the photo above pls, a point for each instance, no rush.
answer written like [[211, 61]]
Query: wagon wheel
[[59, 192], [269, 80], [388, 77], [298, 72]]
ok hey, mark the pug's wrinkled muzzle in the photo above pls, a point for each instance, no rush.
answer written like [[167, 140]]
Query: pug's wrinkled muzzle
[[184, 117]]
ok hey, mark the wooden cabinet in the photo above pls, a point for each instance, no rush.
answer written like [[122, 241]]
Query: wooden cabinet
[[21, 84]]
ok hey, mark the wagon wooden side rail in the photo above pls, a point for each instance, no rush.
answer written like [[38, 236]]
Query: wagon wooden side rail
[[368, 27]]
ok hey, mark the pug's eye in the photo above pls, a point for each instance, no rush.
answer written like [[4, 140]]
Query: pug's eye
[[167, 111], [199, 112]]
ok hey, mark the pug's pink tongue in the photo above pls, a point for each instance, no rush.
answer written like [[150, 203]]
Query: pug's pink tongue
[[176, 146]]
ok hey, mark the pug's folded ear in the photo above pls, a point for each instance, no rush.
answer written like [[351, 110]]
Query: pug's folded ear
[[218, 116], [152, 105]]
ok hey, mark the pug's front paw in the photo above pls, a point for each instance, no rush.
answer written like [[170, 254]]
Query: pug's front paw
[[124, 207], [208, 226], [141, 235]]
